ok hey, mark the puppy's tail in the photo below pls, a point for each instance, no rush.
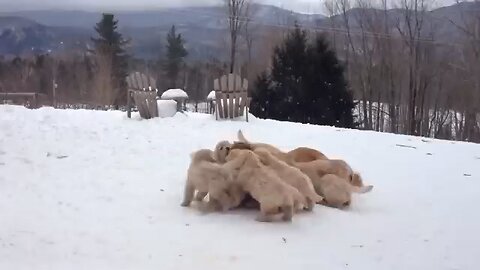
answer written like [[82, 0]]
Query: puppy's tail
[[241, 138], [364, 189]]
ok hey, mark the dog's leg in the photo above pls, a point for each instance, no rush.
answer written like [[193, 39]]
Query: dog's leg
[[310, 204], [287, 212], [188, 194], [264, 218], [200, 196], [266, 213]]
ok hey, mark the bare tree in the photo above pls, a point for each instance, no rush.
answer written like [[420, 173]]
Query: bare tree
[[410, 28], [469, 64], [237, 14]]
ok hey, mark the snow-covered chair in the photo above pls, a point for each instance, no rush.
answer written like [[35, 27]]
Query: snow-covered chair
[[178, 95], [231, 97], [142, 89]]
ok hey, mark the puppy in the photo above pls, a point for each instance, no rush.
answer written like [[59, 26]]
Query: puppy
[[337, 193], [300, 154], [305, 154], [221, 151], [335, 190], [272, 149], [206, 176], [292, 176], [272, 193], [333, 166]]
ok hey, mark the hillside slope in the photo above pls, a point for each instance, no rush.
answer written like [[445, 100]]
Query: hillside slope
[[95, 190]]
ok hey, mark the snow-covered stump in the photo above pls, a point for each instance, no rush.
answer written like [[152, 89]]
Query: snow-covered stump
[[177, 95]]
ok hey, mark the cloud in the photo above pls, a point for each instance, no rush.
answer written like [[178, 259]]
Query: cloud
[[306, 6]]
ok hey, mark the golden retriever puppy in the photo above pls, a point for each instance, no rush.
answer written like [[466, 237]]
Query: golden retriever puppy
[[206, 176], [272, 149], [337, 193], [333, 166], [264, 186], [305, 154], [300, 154], [221, 151], [335, 190], [292, 176]]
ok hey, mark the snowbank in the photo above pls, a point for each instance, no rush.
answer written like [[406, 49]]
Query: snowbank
[[95, 190], [174, 94]]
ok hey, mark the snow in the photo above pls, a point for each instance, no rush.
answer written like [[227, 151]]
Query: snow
[[166, 108], [174, 94], [211, 96], [95, 190]]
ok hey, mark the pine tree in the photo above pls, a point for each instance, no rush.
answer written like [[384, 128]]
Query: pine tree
[[262, 97], [306, 85], [327, 96], [110, 50], [176, 53]]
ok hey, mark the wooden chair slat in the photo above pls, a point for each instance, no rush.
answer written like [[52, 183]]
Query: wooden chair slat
[[224, 87], [143, 98], [231, 94]]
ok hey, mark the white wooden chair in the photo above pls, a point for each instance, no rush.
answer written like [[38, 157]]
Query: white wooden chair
[[231, 97], [142, 89]]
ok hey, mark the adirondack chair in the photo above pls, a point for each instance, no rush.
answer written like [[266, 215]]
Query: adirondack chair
[[141, 89], [231, 97]]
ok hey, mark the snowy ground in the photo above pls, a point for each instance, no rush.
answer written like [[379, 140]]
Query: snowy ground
[[95, 190]]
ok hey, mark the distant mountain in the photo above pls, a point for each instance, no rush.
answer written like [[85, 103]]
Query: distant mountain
[[209, 17], [202, 27], [20, 35]]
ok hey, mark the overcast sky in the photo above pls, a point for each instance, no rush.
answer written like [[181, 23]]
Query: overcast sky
[[305, 6]]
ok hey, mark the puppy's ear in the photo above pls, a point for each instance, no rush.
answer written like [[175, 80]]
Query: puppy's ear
[[356, 179]]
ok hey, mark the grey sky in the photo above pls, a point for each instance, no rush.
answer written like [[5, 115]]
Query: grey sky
[[306, 6]]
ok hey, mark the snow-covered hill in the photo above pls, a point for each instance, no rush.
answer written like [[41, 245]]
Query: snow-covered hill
[[95, 190]]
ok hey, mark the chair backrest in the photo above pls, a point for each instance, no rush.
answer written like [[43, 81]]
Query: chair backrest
[[143, 90], [140, 81], [230, 95]]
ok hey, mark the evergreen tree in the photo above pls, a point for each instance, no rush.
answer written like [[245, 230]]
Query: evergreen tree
[[327, 96], [110, 47], [176, 52], [306, 85]]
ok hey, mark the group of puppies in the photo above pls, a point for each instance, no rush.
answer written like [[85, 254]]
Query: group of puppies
[[259, 175]]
